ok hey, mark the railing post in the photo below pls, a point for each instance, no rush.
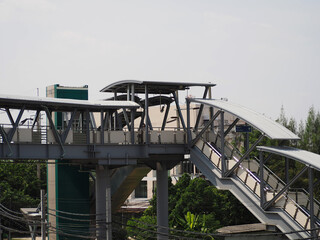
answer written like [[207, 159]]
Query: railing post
[[312, 223], [223, 160], [262, 184], [146, 110], [132, 115], [188, 123]]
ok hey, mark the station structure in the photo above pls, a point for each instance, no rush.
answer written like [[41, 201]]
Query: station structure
[[117, 140]]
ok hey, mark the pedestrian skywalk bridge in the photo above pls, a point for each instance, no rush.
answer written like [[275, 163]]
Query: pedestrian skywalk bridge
[[290, 206], [130, 150]]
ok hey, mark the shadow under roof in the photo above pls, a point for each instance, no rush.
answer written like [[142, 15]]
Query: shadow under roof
[[62, 104], [306, 157], [154, 87], [270, 128]]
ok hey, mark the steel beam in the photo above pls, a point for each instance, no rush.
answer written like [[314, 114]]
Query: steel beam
[[176, 100], [247, 153], [55, 133], [133, 111], [231, 126], [223, 157], [189, 138], [195, 140], [15, 125], [146, 114], [10, 116], [34, 151], [66, 132], [200, 110], [284, 189], [262, 182], [164, 122]]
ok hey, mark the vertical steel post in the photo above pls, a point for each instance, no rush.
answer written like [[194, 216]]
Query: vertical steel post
[[146, 110], [102, 127], [223, 160], [115, 121], [188, 122], [312, 222], [162, 201], [43, 215], [132, 115], [262, 184], [211, 109]]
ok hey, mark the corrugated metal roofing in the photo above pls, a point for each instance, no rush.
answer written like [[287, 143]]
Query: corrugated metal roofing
[[308, 158], [267, 126], [154, 87], [62, 104]]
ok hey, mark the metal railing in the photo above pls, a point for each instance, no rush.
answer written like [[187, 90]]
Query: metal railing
[[45, 135], [247, 173]]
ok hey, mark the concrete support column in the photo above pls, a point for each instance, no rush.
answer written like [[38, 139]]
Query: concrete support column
[[103, 203], [162, 201]]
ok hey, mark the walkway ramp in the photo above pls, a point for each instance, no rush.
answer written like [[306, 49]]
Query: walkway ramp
[[286, 214], [228, 169]]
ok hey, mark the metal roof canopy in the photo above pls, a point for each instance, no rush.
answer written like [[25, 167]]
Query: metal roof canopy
[[270, 128], [154, 87], [305, 157], [62, 104]]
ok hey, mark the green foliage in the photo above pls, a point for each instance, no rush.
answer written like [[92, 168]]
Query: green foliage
[[19, 185], [142, 228], [196, 205]]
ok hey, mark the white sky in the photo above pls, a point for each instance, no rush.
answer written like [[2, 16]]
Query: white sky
[[262, 54]]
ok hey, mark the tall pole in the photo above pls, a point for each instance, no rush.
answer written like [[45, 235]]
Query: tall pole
[[43, 216], [162, 201]]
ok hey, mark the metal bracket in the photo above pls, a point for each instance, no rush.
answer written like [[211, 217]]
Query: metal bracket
[[201, 109], [55, 132], [286, 187], [5, 138], [195, 140], [228, 173]]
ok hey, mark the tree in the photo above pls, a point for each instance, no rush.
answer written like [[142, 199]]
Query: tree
[[19, 185], [211, 208]]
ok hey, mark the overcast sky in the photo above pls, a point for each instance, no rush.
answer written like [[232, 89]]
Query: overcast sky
[[261, 54]]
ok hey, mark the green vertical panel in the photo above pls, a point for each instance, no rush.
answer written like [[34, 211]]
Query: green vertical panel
[[72, 186]]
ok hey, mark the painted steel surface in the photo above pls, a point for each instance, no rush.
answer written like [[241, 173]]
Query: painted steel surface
[[266, 125], [306, 157]]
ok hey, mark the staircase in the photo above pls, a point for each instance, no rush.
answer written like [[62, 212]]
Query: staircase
[[290, 211]]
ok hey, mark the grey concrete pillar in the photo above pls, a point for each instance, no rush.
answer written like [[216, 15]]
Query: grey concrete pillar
[[162, 201], [103, 203]]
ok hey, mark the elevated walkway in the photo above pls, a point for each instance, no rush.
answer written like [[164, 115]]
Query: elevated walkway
[[271, 200], [133, 151]]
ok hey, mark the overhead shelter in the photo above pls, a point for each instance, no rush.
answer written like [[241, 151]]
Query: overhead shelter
[[310, 160], [61, 104], [154, 87], [267, 126], [305, 157]]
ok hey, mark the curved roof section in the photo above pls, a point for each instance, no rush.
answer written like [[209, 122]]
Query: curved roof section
[[265, 125], [61, 104], [308, 158], [154, 87]]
